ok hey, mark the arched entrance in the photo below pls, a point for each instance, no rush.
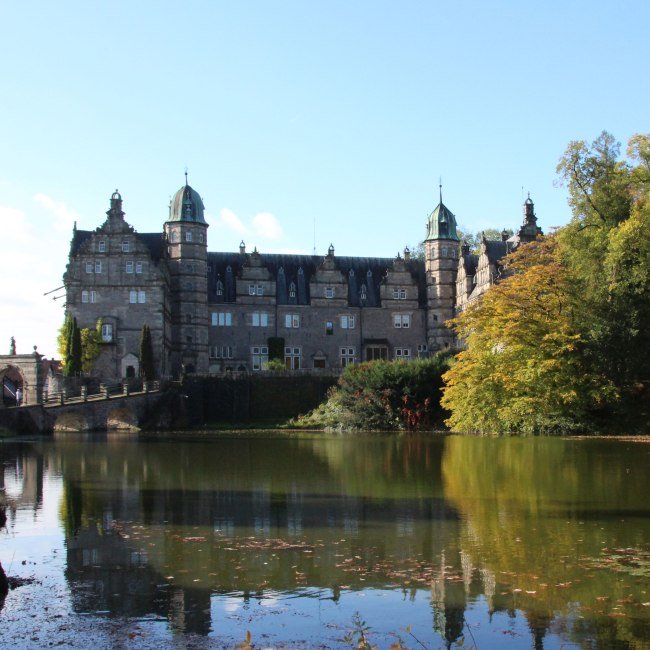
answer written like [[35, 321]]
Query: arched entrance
[[12, 387], [21, 372]]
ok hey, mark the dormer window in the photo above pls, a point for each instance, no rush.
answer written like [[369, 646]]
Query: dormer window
[[329, 292], [363, 294], [219, 288]]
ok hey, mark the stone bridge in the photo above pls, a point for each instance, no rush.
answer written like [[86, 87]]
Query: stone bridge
[[98, 413]]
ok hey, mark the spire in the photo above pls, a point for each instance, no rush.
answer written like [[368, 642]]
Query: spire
[[440, 187], [186, 183]]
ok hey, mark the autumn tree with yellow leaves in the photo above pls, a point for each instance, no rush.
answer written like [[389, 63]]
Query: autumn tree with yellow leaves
[[562, 343]]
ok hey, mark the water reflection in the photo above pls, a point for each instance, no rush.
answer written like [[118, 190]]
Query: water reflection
[[554, 532]]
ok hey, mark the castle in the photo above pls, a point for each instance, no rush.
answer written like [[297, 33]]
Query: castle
[[210, 312]]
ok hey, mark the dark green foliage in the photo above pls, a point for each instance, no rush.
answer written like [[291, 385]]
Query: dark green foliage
[[276, 348], [146, 354], [385, 395], [63, 340], [72, 366]]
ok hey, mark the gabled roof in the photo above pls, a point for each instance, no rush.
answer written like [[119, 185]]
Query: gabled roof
[[495, 250], [470, 262]]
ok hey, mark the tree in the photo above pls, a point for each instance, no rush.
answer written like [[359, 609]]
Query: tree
[[606, 245], [147, 371], [563, 341], [63, 339], [72, 366], [523, 368], [91, 346]]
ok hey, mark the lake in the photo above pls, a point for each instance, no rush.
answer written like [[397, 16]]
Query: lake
[[192, 540]]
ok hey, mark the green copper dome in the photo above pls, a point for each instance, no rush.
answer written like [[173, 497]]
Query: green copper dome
[[442, 223], [187, 206]]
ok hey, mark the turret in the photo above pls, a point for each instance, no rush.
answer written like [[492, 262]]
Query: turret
[[529, 230], [441, 263], [187, 242]]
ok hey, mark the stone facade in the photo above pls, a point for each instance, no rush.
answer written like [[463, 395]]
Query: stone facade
[[210, 312]]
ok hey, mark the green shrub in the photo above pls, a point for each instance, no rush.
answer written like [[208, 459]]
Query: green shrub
[[384, 395]]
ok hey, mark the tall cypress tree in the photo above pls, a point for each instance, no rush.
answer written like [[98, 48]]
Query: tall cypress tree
[[64, 338], [146, 354], [73, 358]]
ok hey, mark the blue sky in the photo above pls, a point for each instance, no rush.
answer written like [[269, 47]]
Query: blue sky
[[294, 117]]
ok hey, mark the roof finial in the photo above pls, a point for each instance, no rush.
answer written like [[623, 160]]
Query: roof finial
[[440, 186], [185, 174]]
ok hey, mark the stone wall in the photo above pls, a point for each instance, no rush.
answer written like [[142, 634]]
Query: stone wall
[[245, 397]]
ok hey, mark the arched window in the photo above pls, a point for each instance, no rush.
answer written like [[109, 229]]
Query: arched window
[[292, 290]]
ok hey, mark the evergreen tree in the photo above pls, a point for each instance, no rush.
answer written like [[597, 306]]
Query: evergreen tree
[[73, 358], [146, 354]]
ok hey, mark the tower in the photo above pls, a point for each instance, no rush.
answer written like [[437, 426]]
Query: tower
[[529, 230], [441, 264], [186, 232]]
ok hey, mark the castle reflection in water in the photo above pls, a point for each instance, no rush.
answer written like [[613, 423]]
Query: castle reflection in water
[[158, 527]]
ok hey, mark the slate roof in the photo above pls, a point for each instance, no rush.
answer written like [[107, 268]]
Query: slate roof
[[496, 250], [154, 241], [470, 262], [299, 269]]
